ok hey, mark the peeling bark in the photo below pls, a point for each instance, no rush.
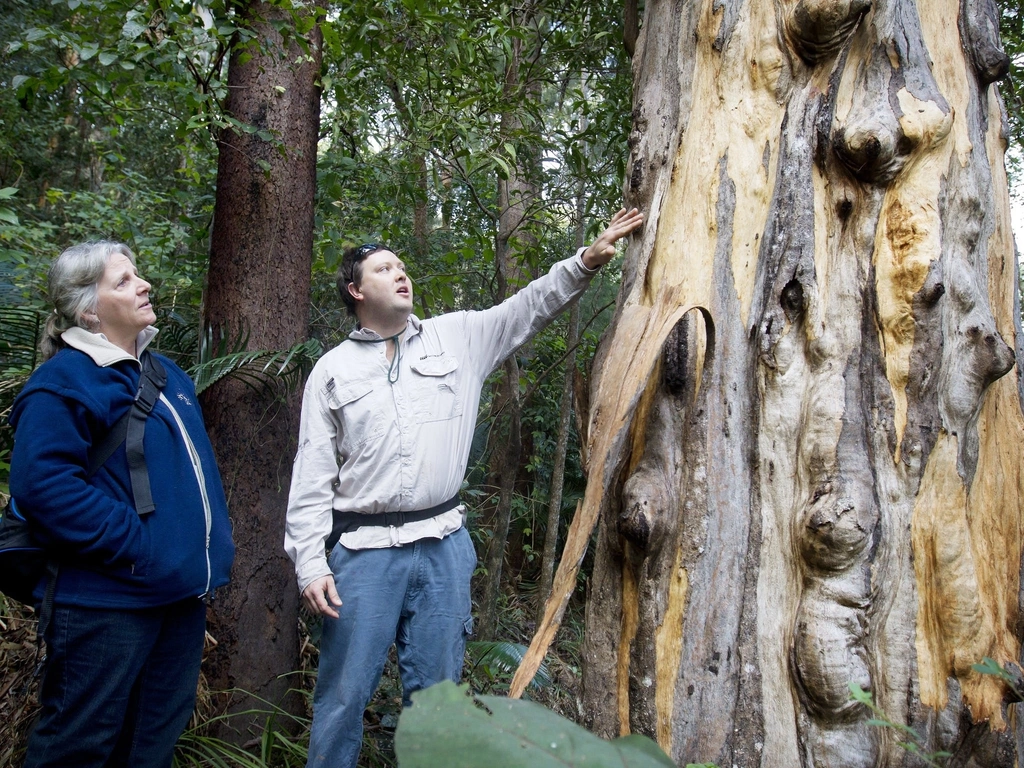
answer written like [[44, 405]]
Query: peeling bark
[[805, 464]]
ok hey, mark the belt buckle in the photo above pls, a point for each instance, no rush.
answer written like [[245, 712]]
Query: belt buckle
[[389, 516]]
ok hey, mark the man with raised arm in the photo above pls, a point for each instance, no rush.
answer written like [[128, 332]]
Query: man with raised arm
[[387, 424]]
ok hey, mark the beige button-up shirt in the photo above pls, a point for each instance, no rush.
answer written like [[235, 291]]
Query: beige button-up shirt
[[369, 445]]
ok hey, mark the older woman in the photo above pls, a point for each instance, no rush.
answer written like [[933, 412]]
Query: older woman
[[129, 608]]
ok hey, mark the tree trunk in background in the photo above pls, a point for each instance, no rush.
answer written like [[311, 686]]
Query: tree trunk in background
[[516, 195], [550, 552], [565, 413], [805, 455], [504, 460], [259, 280], [504, 444]]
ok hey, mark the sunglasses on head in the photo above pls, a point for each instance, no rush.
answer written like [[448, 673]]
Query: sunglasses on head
[[368, 248]]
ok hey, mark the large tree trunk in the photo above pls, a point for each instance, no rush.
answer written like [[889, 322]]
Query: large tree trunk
[[259, 281], [805, 456]]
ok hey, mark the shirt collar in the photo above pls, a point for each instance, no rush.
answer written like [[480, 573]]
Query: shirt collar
[[103, 351], [365, 334]]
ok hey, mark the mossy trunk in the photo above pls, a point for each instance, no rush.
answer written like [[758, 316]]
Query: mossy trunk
[[806, 455]]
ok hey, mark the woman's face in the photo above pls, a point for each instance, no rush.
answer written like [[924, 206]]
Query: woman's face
[[122, 302]]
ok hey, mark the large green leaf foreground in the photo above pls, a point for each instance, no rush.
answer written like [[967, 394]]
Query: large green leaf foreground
[[447, 727]]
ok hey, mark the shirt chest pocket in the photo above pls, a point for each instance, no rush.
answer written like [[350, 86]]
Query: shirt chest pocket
[[435, 388], [359, 412]]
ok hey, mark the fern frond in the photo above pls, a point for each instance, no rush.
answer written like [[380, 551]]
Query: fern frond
[[19, 333], [504, 657], [221, 357]]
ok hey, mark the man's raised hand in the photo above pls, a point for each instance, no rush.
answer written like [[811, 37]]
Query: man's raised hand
[[601, 250]]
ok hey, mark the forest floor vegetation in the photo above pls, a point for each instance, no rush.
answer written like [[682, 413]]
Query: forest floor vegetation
[[20, 674]]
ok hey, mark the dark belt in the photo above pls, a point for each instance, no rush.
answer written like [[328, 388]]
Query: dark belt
[[349, 521]]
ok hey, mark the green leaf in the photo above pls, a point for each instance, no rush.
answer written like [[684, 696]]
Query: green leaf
[[448, 728], [132, 29], [107, 58], [6, 214]]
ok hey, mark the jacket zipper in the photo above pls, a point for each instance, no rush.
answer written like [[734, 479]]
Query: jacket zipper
[[197, 467]]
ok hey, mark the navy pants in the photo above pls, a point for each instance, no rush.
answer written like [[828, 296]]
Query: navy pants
[[415, 597], [119, 687]]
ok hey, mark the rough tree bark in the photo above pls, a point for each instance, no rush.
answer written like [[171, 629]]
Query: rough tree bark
[[805, 455], [259, 280]]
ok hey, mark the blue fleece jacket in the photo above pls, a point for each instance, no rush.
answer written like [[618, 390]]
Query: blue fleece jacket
[[109, 556]]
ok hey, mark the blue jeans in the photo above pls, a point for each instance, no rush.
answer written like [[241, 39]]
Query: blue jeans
[[120, 685], [416, 597]]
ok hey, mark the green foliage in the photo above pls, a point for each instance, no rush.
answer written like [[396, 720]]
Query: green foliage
[[448, 728], [1011, 30], [491, 661], [221, 356], [276, 746], [7, 216], [21, 326], [1011, 675], [906, 737]]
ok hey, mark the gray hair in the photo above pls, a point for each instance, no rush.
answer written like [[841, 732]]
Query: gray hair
[[73, 281]]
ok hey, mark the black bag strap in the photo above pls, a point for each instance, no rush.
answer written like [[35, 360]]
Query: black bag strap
[[131, 428], [153, 379]]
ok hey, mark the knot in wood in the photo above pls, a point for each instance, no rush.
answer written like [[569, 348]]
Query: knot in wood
[[833, 537], [874, 150], [635, 526], [792, 300], [817, 29]]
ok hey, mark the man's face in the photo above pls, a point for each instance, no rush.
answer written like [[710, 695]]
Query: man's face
[[384, 287]]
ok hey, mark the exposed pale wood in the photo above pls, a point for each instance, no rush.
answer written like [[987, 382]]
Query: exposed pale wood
[[832, 493]]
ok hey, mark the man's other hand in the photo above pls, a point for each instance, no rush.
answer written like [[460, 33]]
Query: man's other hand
[[317, 595], [601, 250]]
